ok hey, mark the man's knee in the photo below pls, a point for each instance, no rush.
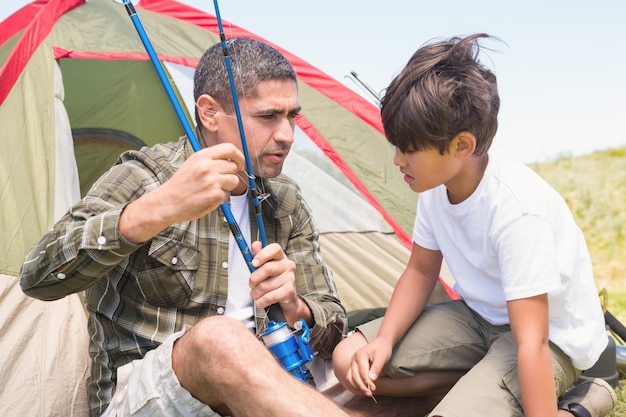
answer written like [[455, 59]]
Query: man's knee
[[224, 339], [221, 335]]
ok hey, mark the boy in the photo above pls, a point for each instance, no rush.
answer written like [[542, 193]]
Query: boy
[[529, 319]]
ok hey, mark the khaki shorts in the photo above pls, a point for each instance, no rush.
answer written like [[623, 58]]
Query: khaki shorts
[[149, 387], [450, 336]]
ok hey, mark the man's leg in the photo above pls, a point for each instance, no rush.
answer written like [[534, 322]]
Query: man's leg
[[223, 365]]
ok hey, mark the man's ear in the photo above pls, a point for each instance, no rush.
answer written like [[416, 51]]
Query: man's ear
[[207, 108], [464, 145]]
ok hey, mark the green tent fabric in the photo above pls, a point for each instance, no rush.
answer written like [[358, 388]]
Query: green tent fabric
[[77, 88]]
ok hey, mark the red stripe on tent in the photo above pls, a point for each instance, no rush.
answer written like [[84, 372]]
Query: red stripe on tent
[[319, 140], [19, 20], [132, 56], [36, 31]]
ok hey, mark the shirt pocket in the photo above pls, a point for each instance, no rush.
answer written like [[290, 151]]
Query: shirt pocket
[[168, 276]]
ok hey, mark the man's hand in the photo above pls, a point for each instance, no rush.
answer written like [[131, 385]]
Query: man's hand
[[199, 186], [274, 282]]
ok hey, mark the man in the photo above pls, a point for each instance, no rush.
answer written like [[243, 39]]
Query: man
[[161, 269]]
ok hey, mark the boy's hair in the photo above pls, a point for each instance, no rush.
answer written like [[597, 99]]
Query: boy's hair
[[251, 62], [442, 91]]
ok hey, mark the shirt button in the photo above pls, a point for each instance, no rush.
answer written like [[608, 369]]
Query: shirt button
[[102, 240], [224, 264], [224, 220], [174, 260], [220, 310], [61, 275]]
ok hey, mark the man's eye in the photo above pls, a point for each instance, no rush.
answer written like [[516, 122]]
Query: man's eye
[[293, 114]]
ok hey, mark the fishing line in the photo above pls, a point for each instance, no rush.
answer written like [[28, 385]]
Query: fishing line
[[233, 52]]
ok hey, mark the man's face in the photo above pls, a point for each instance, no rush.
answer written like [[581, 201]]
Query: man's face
[[269, 122]]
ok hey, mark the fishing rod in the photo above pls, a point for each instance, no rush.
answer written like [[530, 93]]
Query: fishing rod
[[242, 134], [292, 352], [230, 219]]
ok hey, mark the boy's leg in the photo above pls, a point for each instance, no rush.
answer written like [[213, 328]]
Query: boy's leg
[[491, 387], [442, 344]]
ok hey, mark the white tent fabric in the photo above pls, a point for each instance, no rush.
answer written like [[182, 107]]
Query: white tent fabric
[[67, 189], [44, 376]]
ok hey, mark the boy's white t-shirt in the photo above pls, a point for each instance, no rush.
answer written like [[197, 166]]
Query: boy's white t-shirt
[[513, 238], [239, 304]]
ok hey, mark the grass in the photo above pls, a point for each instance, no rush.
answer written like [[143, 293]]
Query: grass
[[620, 410], [594, 187]]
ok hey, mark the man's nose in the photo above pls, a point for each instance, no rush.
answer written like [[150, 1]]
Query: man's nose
[[285, 131]]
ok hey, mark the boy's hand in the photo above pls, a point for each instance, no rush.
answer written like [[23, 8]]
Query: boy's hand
[[367, 364]]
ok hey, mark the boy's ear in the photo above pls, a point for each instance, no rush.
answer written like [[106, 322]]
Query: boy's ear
[[207, 108], [463, 145]]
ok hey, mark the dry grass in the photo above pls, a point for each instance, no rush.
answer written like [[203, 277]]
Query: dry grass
[[594, 187]]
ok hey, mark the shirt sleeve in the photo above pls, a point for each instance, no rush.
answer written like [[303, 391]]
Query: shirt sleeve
[[422, 230], [527, 269], [85, 243]]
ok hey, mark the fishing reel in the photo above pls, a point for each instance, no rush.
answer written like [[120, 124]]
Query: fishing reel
[[292, 351]]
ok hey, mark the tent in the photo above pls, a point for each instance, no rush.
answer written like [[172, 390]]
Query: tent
[[77, 88]]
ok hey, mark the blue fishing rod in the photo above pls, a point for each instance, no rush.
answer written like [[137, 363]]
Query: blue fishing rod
[[242, 134], [292, 351], [191, 136]]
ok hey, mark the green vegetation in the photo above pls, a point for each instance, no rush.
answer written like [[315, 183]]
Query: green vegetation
[[594, 187], [620, 410]]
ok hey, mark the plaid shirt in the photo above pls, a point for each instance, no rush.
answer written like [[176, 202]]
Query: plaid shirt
[[137, 295]]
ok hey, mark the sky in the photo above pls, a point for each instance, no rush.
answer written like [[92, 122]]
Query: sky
[[561, 64]]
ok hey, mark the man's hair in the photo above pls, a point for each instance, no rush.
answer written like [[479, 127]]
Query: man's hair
[[251, 62], [442, 91]]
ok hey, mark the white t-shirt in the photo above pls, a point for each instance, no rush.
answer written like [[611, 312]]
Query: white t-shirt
[[513, 238], [239, 303]]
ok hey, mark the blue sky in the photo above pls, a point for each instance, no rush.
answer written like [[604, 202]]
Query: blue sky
[[560, 71]]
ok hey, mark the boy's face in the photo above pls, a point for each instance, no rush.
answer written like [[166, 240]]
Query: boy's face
[[427, 169], [269, 121]]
